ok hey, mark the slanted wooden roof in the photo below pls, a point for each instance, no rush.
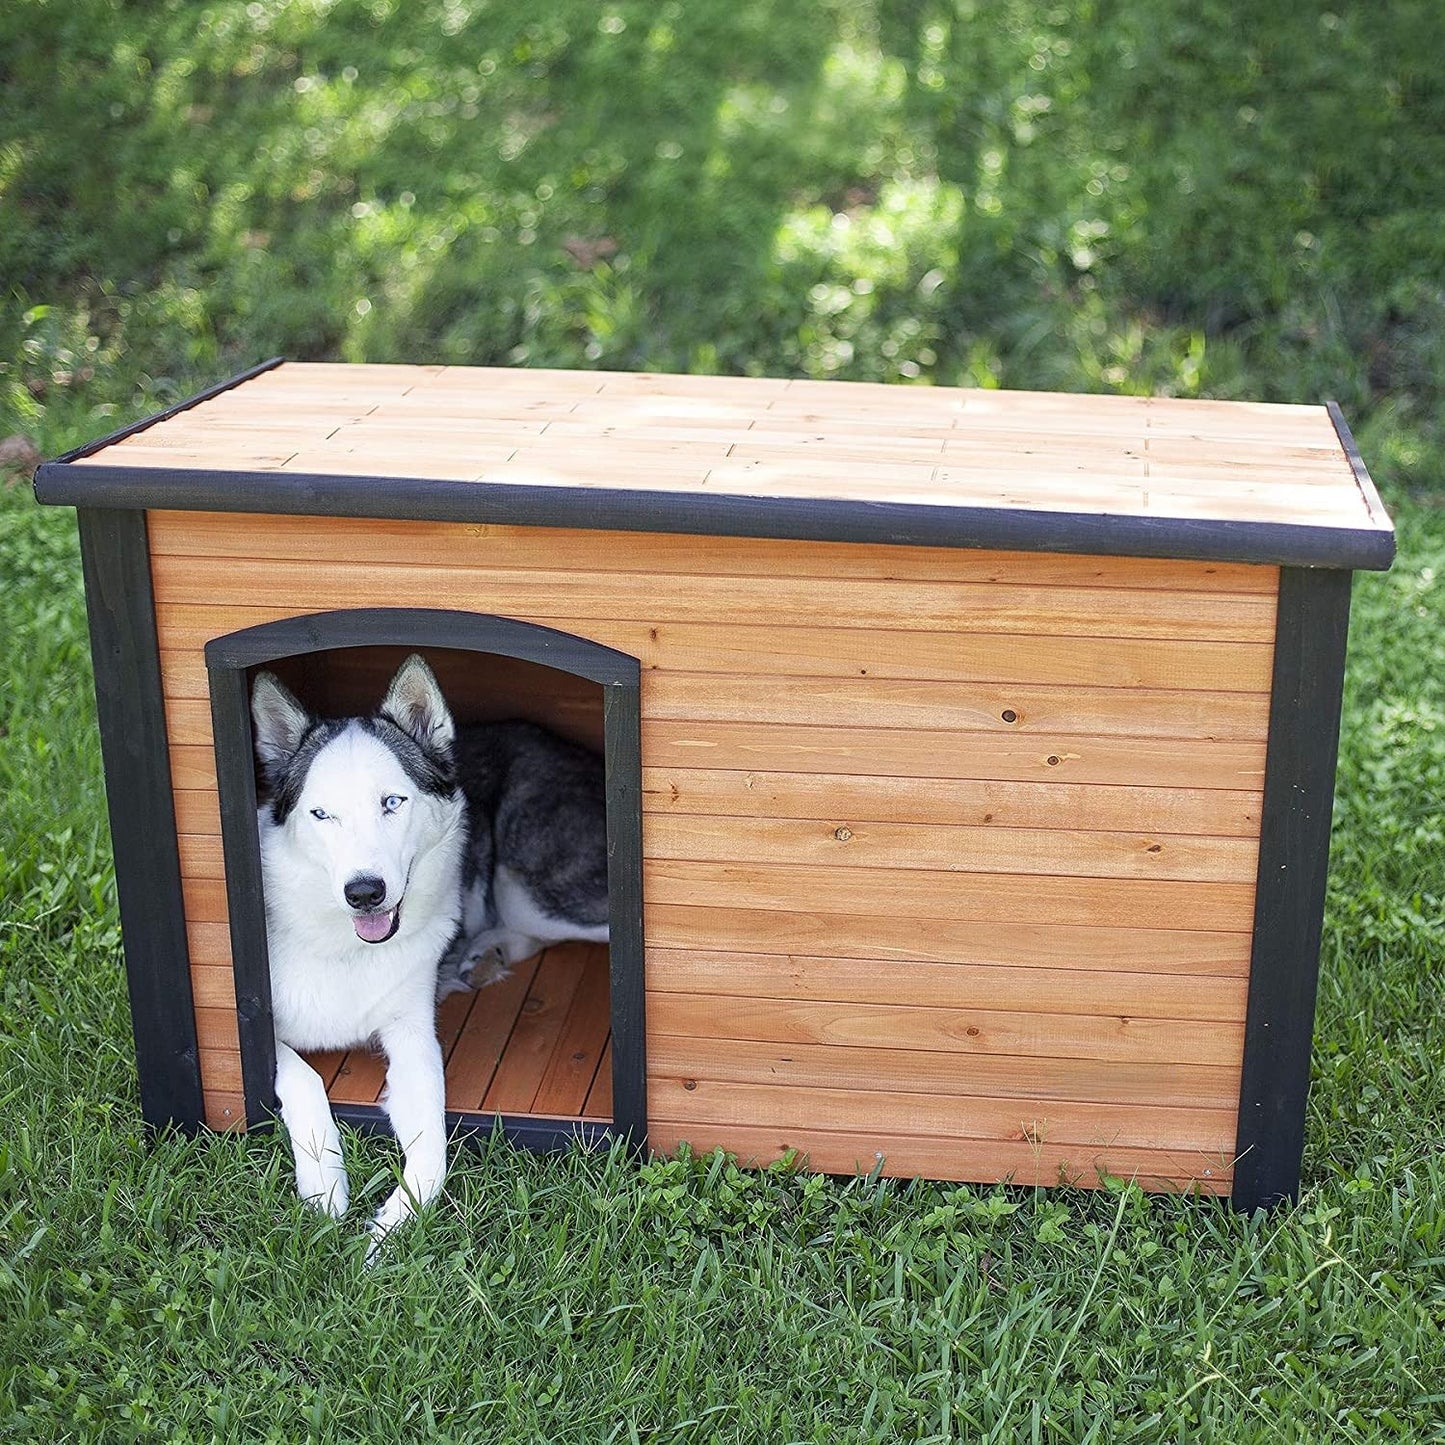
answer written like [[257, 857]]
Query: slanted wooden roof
[[760, 456]]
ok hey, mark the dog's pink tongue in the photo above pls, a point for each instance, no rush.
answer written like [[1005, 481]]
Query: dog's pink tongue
[[374, 927]]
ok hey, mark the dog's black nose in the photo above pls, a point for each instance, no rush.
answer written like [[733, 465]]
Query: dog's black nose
[[365, 891]]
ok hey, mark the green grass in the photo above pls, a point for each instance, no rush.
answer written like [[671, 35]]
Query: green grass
[[1119, 195]]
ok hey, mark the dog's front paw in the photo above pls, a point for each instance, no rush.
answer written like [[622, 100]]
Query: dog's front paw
[[419, 1186], [396, 1211], [321, 1182]]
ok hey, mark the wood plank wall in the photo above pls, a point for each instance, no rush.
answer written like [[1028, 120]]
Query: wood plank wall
[[949, 855]]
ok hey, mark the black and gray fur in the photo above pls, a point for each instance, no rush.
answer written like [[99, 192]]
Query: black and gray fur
[[535, 869]]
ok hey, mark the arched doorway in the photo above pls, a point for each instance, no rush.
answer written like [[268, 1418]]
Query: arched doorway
[[489, 668]]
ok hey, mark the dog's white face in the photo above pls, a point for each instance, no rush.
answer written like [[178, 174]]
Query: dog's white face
[[363, 820], [357, 802]]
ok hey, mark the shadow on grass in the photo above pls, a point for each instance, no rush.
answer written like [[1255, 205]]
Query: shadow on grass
[[476, 185]]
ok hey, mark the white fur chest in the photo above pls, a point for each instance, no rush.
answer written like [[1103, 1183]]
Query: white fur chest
[[337, 998]]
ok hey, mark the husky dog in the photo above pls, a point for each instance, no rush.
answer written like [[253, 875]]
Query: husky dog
[[362, 835], [389, 844]]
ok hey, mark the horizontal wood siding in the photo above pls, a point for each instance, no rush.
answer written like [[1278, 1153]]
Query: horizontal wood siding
[[949, 856]]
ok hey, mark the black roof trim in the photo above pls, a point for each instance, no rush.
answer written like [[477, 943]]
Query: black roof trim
[[149, 421], [1368, 493], [715, 514]]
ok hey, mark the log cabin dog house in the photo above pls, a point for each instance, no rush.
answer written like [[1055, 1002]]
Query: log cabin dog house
[[970, 754]]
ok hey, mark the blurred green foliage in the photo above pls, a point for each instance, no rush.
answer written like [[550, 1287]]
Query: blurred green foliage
[[1140, 195]]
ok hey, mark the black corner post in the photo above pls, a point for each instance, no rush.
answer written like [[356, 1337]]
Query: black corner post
[[121, 609], [1299, 781], [245, 900]]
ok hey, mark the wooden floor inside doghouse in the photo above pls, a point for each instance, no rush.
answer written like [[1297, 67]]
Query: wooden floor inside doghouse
[[536, 1043]]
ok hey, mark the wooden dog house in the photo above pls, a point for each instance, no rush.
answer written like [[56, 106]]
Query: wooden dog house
[[970, 754]]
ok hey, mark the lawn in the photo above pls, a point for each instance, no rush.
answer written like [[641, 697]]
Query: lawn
[[1125, 195]]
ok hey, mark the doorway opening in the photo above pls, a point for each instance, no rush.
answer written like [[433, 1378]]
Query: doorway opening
[[555, 1049]]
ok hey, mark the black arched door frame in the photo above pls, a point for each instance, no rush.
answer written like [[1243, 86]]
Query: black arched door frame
[[227, 661]]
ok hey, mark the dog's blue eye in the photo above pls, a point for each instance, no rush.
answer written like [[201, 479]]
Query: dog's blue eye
[[392, 802], [320, 814]]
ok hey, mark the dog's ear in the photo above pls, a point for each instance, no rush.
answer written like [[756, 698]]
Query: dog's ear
[[278, 721], [415, 703]]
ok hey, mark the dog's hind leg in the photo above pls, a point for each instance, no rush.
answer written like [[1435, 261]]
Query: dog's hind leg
[[489, 955], [315, 1140], [415, 1103]]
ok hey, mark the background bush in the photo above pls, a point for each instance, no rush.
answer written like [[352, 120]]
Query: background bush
[[1145, 195]]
